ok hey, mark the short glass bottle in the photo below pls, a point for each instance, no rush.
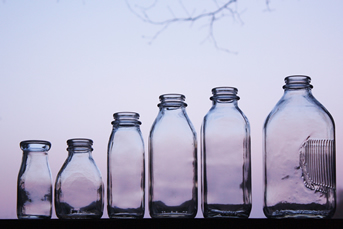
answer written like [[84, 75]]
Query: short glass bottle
[[172, 161], [125, 168], [34, 193], [299, 155], [226, 159], [79, 187]]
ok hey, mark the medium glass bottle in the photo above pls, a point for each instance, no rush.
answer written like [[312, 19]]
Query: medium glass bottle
[[34, 194], [226, 166], [79, 186], [172, 161], [299, 155], [125, 168]]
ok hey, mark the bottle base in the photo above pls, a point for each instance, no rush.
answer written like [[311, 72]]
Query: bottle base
[[34, 217], [298, 211], [186, 210], [227, 211]]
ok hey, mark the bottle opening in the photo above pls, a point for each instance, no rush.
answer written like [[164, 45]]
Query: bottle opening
[[297, 82], [80, 144], [224, 94], [35, 145], [126, 118], [172, 100]]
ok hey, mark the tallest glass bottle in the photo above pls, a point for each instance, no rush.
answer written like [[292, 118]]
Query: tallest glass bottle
[[299, 153], [172, 161]]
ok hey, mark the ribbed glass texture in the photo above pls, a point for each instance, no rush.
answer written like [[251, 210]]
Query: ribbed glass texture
[[125, 168], [34, 193], [172, 161], [79, 187], [299, 155], [226, 166]]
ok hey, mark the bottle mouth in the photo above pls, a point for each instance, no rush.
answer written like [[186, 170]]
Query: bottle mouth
[[35, 145], [297, 82], [126, 118], [80, 144], [224, 94], [172, 100]]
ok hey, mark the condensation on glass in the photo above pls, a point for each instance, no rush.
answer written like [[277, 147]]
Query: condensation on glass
[[226, 163], [79, 187], [125, 168], [299, 155], [172, 161], [34, 193]]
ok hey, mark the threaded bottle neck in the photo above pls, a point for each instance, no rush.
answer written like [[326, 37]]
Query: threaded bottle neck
[[80, 145], [297, 82], [224, 94], [172, 100], [126, 119], [35, 146]]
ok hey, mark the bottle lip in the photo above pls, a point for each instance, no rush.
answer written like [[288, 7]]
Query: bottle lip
[[224, 94], [80, 144], [172, 100], [35, 145], [126, 118], [297, 82]]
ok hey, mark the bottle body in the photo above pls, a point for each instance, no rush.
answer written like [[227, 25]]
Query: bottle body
[[34, 193], [299, 155], [125, 168], [79, 186], [172, 161], [226, 163]]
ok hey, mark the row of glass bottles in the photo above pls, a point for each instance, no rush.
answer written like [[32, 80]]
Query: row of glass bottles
[[299, 162]]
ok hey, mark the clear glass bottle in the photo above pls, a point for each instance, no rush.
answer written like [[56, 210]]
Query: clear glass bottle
[[172, 161], [125, 168], [226, 163], [79, 187], [299, 155], [34, 193]]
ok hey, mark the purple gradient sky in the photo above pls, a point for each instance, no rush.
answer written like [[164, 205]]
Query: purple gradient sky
[[67, 66]]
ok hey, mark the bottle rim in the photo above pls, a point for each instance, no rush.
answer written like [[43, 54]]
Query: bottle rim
[[126, 118], [297, 82], [80, 144], [35, 145], [172, 100], [224, 93]]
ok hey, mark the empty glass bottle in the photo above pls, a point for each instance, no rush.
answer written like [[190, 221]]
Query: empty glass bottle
[[34, 194], [299, 155], [79, 186], [172, 161], [226, 172], [125, 168]]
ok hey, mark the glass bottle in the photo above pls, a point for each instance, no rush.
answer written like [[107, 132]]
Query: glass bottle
[[34, 193], [226, 166], [299, 155], [79, 186], [172, 161], [125, 168]]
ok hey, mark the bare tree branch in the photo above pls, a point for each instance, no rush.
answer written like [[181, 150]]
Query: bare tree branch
[[222, 10]]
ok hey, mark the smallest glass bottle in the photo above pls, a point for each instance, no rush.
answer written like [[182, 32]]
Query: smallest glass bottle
[[34, 192], [79, 186]]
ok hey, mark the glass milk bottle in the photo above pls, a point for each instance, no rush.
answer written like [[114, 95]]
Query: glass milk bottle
[[299, 155], [79, 186], [34, 193], [226, 166], [172, 161], [125, 168]]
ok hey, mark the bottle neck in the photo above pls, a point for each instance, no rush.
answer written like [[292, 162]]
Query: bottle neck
[[126, 119], [35, 146], [172, 102], [297, 85], [79, 145], [224, 96]]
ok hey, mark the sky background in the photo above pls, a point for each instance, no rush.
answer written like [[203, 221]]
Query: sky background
[[67, 66]]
